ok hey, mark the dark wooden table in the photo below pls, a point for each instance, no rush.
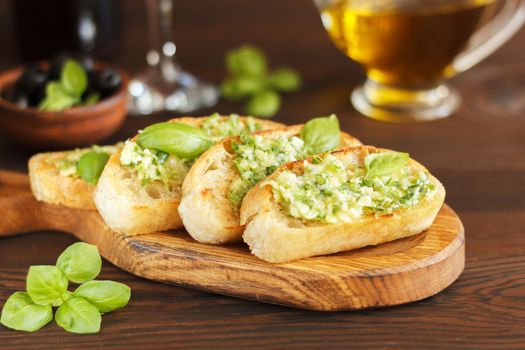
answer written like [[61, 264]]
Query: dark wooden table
[[479, 154]]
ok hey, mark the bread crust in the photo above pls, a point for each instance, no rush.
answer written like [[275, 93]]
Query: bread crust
[[49, 186], [125, 211], [276, 237], [128, 208], [207, 213]]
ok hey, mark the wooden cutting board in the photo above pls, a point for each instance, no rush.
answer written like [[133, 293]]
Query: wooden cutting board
[[393, 273]]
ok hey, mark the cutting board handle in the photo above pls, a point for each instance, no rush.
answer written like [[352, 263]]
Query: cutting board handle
[[20, 212]]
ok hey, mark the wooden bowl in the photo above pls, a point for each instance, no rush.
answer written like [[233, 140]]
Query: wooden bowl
[[70, 128]]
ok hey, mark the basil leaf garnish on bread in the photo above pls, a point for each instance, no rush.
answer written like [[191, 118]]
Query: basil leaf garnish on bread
[[179, 139], [321, 134], [385, 164], [90, 166]]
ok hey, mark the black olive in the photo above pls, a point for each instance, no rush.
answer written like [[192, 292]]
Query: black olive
[[92, 79], [32, 78], [91, 86], [17, 97], [32, 83], [56, 63], [85, 61], [90, 90], [37, 96], [107, 81], [21, 100]]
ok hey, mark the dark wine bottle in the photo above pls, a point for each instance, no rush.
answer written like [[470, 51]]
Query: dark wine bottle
[[44, 28]]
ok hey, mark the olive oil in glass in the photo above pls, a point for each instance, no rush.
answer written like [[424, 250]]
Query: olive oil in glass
[[408, 49]]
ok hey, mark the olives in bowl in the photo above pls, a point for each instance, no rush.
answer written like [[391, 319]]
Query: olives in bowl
[[65, 82], [68, 101]]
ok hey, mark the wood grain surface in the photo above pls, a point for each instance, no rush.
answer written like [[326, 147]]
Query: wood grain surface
[[478, 154], [393, 273]]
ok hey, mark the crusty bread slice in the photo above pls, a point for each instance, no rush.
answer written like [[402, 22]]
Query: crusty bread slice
[[129, 207], [48, 185], [274, 236], [207, 213]]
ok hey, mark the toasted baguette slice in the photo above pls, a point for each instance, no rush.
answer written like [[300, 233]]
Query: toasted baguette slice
[[207, 213], [129, 207], [48, 185], [274, 236]]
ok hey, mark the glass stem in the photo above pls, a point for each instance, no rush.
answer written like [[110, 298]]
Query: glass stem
[[162, 49]]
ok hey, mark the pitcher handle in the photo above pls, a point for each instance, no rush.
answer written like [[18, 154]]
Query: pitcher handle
[[492, 35]]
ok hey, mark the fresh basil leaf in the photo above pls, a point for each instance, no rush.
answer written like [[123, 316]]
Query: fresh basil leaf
[[77, 315], [264, 104], [57, 98], [22, 314], [46, 284], [56, 104], [67, 92], [80, 262], [73, 78], [246, 60], [55, 89], [321, 134], [179, 139], [106, 296], [92, 99], [90, 166], [237, 88], [385, 163], [285, 79]]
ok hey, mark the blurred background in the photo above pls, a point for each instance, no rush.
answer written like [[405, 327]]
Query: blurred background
[[289, 31]]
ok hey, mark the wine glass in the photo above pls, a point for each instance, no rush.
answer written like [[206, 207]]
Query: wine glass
[[410, 48], [164, 85]]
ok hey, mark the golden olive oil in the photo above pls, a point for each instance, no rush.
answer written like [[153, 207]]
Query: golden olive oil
[[405, 43]]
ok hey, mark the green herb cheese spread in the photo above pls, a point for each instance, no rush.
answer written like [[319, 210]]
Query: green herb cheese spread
[[330, 192], [257, 157], [155, 165]]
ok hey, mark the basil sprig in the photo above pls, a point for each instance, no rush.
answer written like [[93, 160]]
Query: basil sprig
[[90, 166], [73, 78], [179, 139], [249, 80], [79, 311], [57, 98], [321, 134], [67, 92]]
